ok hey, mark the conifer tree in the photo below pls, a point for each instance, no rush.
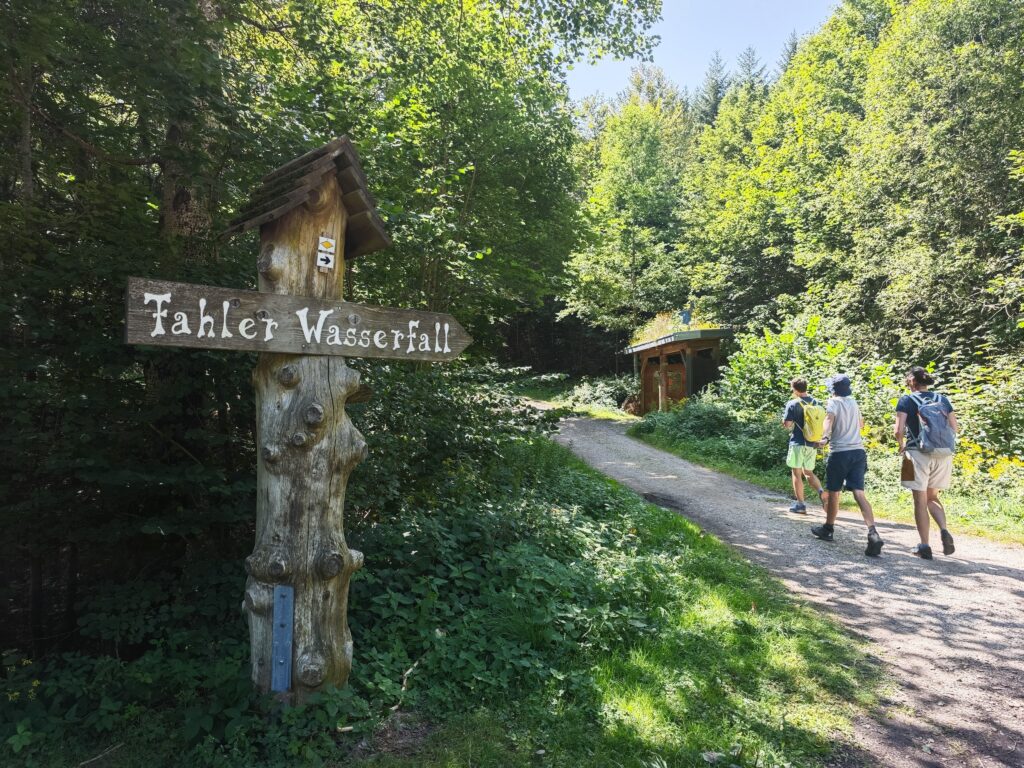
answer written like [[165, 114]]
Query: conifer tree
[[749, 69], [788, 52], [712, 91]]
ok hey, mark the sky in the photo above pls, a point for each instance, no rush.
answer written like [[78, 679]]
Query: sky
[[692, 30]]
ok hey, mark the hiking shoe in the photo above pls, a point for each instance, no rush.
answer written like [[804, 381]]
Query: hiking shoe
[[823, 532], [875, 544], [798, 507], [947, 543], [923, 551]]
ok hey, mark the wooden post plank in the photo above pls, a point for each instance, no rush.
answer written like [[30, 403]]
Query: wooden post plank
[[662, 382], [333, 148], [295, 197], [163, 313], [356, 201], [281, 648], [307, 448], [688, 357], [365, 234]]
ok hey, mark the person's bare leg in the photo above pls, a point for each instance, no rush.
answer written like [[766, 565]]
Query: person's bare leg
[[798, 483], [936, 508], [831, 507], [812, 479], [865, 508], [921, 514]]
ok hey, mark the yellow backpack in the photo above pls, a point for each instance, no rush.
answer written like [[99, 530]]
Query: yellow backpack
[[814, 421]]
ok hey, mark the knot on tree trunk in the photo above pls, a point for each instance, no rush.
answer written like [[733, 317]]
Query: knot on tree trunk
[[270, 566]]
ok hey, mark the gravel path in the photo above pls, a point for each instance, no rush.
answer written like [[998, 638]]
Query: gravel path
[[950, 630]]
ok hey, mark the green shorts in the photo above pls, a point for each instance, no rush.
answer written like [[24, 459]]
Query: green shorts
[[801, 457]]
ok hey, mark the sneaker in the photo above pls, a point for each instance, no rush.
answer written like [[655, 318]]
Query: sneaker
[[923, 551], [823, 532], [947, 543], [875, 544], [798, 507]]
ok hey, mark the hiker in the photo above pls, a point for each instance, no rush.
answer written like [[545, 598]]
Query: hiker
[[926, 432], [847, 461], [805, 418]]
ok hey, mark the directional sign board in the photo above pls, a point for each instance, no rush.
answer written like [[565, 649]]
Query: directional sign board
[[199, 316]]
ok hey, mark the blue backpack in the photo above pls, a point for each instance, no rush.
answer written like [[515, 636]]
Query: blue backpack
[[937, 436]]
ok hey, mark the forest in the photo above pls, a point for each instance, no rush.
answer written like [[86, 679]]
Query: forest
[[857, 205]]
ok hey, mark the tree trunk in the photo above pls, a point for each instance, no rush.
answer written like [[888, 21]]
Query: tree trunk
[[307, 448], [37, 604], [69, 622], [27, 189]]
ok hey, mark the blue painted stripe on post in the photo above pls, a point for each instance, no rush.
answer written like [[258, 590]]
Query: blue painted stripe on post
[[281, 646]]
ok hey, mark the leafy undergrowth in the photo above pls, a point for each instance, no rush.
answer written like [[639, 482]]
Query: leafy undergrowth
[[538, 613], [599, 398], [701, 653], [704, 433]]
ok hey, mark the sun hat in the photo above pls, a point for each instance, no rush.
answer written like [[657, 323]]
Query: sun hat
[[839, 385]]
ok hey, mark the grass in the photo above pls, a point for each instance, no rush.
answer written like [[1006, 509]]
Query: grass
[[718, 659], [656, 645], [555, 395], [558, 393], [988, 516]]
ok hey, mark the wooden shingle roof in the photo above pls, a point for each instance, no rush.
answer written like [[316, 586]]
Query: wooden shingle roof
[[697, 334], [286, 188]]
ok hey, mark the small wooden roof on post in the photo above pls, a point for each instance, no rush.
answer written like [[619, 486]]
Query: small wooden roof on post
[[299, 181]]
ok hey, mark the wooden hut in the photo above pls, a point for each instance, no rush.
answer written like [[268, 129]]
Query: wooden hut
[[677, 365]]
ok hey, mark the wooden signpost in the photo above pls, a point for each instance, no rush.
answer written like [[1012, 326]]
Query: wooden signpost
[[313, 213]]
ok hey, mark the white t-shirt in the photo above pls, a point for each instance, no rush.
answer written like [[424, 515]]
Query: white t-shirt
[[846, 424]]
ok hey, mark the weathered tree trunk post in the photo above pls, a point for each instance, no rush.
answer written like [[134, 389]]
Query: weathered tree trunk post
[[307, 448]]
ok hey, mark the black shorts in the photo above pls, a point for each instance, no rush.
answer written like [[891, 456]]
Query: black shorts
[[846, 467]]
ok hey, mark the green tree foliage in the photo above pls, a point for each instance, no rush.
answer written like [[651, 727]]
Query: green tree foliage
[[625, 269], [874, 182], [137, 129], [788, 52], [929, 177], [733, 247]]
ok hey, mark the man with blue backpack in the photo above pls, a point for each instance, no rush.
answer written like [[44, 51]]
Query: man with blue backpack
[[926, 429]]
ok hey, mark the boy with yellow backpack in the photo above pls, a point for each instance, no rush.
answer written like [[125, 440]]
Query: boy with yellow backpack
[[805, 417]]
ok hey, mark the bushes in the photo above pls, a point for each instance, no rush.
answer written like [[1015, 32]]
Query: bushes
[[603, 392], [756, 380], [711, 430]]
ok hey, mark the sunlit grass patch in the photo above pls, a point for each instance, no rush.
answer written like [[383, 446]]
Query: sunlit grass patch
[[704, 653]]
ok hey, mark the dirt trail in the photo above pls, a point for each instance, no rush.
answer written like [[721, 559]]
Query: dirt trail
[[951, 629]]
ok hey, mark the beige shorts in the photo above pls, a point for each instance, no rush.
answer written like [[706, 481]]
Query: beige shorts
[[930, 472]]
